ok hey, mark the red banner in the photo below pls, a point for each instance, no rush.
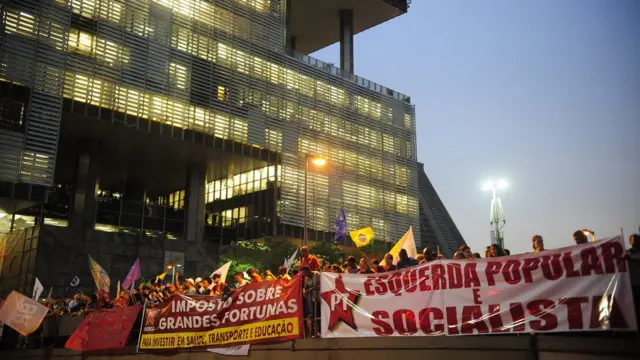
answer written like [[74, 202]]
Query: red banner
[[104, 329], [263, 312], [578, 288]]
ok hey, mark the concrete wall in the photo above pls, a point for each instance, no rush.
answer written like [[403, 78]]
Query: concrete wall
[[434, 348]]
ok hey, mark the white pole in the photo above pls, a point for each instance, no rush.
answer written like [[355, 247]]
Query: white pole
[[306, 175], [144, 312]]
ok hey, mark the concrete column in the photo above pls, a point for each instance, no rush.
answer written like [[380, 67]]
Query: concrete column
[[83, 212], [346, 40], [291, 40], [195, 201]]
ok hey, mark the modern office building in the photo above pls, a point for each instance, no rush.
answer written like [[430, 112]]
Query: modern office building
[[166, 129], [437, 229]]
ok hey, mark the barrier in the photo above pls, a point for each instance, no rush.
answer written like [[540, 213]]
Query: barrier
[[55, 330]]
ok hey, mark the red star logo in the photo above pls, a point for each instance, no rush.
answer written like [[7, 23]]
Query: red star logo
[[151, 316], [341, 303]]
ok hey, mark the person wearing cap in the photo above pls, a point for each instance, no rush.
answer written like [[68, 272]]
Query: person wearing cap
[[191, 287]]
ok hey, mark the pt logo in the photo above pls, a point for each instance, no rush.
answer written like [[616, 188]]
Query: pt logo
[[341, 303]]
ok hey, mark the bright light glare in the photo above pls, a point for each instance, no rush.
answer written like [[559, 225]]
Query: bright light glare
[[169, 267], [319, 162], [490, 184], [178, 265]]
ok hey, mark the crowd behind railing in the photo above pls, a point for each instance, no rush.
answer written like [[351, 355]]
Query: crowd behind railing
[[67, 312]]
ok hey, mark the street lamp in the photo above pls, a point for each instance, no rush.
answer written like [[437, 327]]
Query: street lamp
[[317, 162], [173, 272], [496, 219]]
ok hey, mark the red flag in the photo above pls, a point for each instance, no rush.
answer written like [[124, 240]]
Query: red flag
[[104, 329]]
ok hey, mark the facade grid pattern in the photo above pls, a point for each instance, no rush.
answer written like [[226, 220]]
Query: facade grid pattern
[[219, 68]]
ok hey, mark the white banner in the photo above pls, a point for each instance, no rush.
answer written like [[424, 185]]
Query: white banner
[[240, 350], [578, 288], [37, 290]]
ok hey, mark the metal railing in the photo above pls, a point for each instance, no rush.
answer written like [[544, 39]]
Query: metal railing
[[360, 81]]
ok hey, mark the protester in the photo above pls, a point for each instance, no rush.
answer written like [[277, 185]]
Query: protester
[[206, 286], [308, 260], [123, 300], [240, 281], [282, 271], [268, 276], [634, 241], [254, 276], [405, 261], [458, 255], [537, 243], [352, 265], [495, 250], [311, 305], [466, 251], [364, 267], [388, 263], [219, 287], [580, 237], [428, 255], [191, 287]]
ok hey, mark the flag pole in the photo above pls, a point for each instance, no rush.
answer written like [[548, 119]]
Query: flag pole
[[144, 313]]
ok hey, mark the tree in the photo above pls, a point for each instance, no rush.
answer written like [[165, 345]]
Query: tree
[[327, 254], [268, 255]]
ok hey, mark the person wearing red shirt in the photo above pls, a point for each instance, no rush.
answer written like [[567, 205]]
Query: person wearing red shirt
[[309, 260], [253, 274]]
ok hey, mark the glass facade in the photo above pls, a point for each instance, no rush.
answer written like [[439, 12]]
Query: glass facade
[[218, 68]]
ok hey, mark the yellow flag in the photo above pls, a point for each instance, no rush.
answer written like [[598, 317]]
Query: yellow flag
[[161, 276], [99, 275], [362, 237], [406, 242]]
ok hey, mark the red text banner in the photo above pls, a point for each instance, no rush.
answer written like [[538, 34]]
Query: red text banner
[[579, 288], [104, 329], [262, 312]]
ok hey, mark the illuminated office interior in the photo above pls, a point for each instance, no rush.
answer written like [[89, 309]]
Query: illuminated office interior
[[196, 118]]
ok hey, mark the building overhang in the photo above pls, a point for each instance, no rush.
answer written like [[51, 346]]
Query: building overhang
[[316, 24]]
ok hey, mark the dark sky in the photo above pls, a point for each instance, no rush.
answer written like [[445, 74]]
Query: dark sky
[[542, 93]]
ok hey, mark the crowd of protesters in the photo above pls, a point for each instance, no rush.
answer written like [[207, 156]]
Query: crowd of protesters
[[310, 267]]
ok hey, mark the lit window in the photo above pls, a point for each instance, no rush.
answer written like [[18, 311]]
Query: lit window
[[273, 139], [104, 50], [176, 199], [408, 121], [111, 10], [222, 93], [20, 22], [178, 75]]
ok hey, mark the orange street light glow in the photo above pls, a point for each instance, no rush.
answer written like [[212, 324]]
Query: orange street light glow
[[319, 162]]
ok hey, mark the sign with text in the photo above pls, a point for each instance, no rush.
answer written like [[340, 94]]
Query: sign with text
[[257, 312], [104, 329], [579, 288]]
